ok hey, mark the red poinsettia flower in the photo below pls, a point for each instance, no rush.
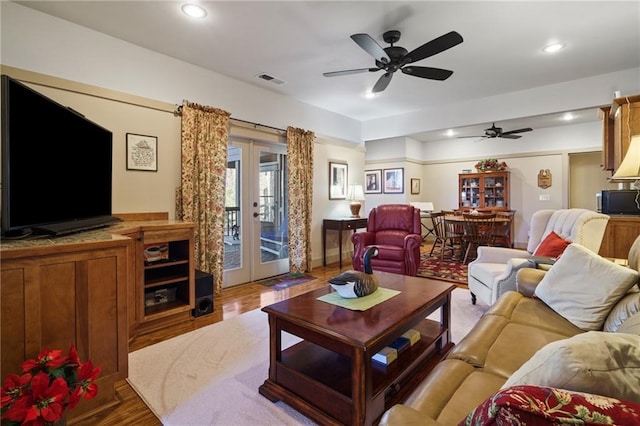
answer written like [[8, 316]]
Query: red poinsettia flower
[[51, 359], [13, 387], [48, 398], [18, 409]]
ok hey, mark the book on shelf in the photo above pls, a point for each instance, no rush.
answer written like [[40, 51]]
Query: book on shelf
[[413, 336], [401, 344], [386, 356]]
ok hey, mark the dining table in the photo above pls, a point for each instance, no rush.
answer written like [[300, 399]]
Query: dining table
[[454, 223]]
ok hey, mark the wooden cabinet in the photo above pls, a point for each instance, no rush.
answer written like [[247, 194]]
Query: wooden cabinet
[[164, 288], [617, 130], [619, 235], [71, 290], [488, 190]]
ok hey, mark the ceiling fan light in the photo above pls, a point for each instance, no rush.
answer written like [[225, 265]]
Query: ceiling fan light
[[193, 10], [553, 47]]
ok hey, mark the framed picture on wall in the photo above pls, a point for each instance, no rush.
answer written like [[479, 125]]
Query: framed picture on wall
[[415, 186], [373, 181], [337, 181], [142, 152], [393, 181]]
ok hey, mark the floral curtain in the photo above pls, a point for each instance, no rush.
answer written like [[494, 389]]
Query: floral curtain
[[201, 197], [300, 193]]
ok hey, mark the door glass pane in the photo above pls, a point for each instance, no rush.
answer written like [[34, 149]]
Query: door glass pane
[[274, 239], [232, 218]]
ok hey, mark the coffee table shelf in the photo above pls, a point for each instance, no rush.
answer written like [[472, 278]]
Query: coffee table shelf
[[329, 376]]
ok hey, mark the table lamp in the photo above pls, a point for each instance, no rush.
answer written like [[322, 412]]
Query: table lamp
[[355, 194], [630, 167]]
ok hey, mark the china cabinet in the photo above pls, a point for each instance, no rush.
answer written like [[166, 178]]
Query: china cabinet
[[485, 190]]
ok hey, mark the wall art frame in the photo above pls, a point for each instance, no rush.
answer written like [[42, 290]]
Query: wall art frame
[[338, 180], [393, 180], [415, 186], [373, 181], [142, 152]]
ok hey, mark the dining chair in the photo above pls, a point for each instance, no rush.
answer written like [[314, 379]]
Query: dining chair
[[502, 229], [437, 219], [478, 231], [453, 233]]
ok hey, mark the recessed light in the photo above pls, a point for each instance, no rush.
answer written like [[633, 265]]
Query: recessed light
[[553, 47], [568, 116], [369, 95], [450, 132], [194, 11]]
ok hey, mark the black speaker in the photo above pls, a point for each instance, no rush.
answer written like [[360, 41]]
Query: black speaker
[[204, 294]]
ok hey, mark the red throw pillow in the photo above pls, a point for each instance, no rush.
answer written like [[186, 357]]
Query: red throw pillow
[[552, 246], [535, 405]]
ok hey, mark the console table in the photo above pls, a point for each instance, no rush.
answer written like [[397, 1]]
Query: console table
[[340, 224]]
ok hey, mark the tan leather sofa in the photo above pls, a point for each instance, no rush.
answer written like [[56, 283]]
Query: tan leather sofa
[[506, 336]]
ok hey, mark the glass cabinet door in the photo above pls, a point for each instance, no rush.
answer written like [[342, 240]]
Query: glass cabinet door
[[494, 188], [470, 192]]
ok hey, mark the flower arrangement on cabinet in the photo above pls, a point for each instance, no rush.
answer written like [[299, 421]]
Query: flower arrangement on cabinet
[[491, 164], [50, 385]]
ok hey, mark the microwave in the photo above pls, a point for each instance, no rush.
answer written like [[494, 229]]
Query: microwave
[[626, 202]]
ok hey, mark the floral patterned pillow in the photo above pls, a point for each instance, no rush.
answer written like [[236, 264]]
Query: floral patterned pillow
[[534, 405]]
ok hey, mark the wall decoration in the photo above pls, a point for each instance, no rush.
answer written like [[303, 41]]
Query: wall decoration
[[393, 181], [415, 186], [373, 181], [544, 179], [142, 152], [337, 181]]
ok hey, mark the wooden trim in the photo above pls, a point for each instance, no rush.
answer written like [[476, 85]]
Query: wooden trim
[[128, 217]]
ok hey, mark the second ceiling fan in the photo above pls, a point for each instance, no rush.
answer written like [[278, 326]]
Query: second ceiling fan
[[496, 132], [393, 58]]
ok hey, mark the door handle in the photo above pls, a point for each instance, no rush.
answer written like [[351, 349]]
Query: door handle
[[256, 214]]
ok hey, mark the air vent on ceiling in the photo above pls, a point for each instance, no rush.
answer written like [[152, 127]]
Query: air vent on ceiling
[[270, 79]]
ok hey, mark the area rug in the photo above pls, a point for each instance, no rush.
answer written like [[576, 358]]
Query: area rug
[[443, 270], [283, 281], [212, 375]]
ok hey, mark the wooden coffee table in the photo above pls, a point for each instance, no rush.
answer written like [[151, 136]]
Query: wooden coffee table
[[329, 376]]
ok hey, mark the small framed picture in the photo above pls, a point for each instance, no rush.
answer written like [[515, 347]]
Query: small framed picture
[[337, 181], [415, 186], [373, 181], [142, 152], [393, 181]]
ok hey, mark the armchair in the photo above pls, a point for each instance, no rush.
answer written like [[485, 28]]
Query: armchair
[[396, 230], [494, 271]]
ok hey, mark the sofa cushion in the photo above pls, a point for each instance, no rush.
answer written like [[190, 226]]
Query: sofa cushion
[[625, 308], [552, 246], [631, 325], [593, 362], [583, 287], [532, 405]]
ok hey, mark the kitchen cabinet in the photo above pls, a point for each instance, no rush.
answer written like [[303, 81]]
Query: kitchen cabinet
[[617, 130]]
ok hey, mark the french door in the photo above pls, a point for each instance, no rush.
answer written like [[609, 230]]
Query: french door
[[256, 232]]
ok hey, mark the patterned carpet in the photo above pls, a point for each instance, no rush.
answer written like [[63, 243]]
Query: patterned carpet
[[447, 270]]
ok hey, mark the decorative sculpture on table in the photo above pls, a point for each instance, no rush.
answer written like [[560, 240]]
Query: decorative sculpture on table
[[351, 284]]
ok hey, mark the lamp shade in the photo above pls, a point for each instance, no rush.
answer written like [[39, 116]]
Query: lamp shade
[[426, 206], [355, 193], [630, 167]]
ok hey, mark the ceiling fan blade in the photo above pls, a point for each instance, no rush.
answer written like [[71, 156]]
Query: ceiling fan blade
[[348, 72], [435, 46], [509, 136], [382, 82], [510, 132], [371, 47], [427, 72]]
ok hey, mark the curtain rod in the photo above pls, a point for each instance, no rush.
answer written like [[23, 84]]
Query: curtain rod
[[178, 111]]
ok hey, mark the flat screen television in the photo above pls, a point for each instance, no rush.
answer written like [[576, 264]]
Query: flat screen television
[[56, 166]]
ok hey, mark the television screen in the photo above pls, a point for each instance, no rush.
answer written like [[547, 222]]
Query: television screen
[[56, 165]]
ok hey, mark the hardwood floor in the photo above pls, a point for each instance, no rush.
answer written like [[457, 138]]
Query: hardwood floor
[[232, 302]]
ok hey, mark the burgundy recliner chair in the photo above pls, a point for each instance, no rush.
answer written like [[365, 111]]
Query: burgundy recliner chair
[[395, 230]]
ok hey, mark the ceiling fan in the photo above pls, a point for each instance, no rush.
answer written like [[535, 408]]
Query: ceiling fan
[[393, 58], [496, 132]]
